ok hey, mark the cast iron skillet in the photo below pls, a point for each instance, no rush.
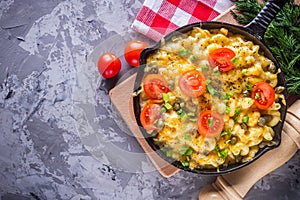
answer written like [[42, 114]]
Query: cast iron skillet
[[254, 31]]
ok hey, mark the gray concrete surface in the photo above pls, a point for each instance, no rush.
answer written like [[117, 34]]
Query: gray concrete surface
[[60, 137]]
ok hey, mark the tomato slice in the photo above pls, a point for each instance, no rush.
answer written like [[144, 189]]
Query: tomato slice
[[154, 86], [263, 95], [150, 113], [222, 58], [210, 124], [192, 83]]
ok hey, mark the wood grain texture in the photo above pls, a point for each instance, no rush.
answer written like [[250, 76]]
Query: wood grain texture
[[226, 17]]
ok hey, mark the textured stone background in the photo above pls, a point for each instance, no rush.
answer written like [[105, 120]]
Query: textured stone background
[[60, 137]]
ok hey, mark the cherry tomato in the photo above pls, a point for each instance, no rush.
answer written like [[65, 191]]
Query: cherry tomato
[[155, 85], [192, 83], [150, 113], [222, 58], [263, 95], [132, 52], [109, 65], [210, 124]]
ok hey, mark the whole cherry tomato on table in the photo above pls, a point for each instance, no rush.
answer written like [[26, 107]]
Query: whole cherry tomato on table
[[263, 95], [109, 65], [221, 57], [210, 124], [132, 52], [192, 83]]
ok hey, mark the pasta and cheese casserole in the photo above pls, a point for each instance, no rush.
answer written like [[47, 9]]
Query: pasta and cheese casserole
[[210, 98]]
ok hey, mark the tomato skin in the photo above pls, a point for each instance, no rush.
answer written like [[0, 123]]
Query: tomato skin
[[263, 95], [109, 65], [217, 124], [149, 114], [192, 83], [154, 85], [132, 52], [221, 57]]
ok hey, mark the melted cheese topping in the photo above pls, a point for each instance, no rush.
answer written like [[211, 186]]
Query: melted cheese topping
[[239, 141]]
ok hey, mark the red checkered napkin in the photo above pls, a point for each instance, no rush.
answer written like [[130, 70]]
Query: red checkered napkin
[[159, 17]]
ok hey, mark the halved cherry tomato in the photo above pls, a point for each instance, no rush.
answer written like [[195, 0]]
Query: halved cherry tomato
[[222, 58], [150, 113], [109, 65], [192, 83], [155, 85], [132, 52], [263, 95], [210, 124]]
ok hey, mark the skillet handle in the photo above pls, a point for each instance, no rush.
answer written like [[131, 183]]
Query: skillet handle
[[235, 185], [260, 23]]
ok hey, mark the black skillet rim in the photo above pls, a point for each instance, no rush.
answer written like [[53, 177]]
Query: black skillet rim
[[249, 35]]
